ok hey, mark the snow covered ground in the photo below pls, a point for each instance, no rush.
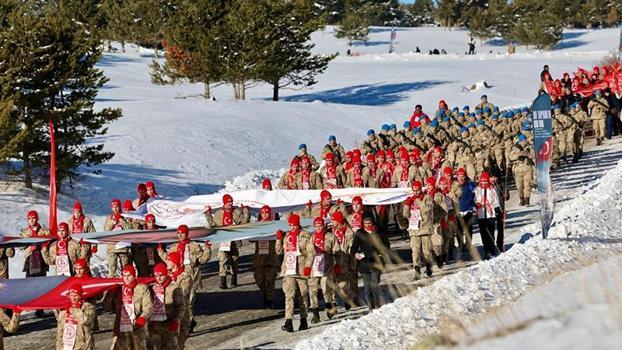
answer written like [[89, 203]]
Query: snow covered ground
[[188, 145], [577, 310]]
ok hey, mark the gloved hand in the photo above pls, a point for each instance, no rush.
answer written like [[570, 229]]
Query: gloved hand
[[173, 326], [307, 271], [338, 269], [209, 210], [17, 310], [33, 248], [94, 248], [478, 205], [117, 216], [82, 242], [498, 212], [160, 246], [208, 244], [338, 202], [408, 201], [140, 322], [279, 234]]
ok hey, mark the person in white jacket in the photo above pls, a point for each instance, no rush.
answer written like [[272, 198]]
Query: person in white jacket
[[488, 208]]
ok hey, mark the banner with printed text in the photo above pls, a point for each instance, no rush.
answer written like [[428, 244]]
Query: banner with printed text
[[543, 142]]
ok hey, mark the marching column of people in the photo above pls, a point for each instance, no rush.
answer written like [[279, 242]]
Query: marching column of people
[[454, 163]]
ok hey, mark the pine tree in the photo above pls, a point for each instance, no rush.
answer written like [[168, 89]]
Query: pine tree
[[192, 43], [330, 10], [448, 12], [49, 59], [419, 13], [149, 18], [355, 23], [490, 21], [534, 25], [119, 20], [287, 59]]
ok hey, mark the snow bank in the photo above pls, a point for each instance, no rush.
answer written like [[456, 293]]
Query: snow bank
[[585, 228], [252, 180], [574, 311]]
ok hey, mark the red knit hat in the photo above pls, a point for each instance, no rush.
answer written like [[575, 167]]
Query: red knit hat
[[447, 170], [484, 176], [64, 226], [356, 159], [266, 183], [357, 199], [416, 184], [150, 184], [141, 187], [227, 199], [430, 181], [183, 229], [325, 194], [265, 208], [294, 163], [127, 205], [116, 202], [337, 216], [174, 257], [318, 220], [77, 289], [294, 219], [32, 214], [356, 152], [160, 268], [80, 263], [150, 217], [416, 153], [461, 171], [77, 206], [390, 154], [370, 158], [305, 159], [330, 156], [129, 268], [381, 153]]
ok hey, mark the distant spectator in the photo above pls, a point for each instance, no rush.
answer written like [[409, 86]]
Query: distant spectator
[[471, 47], [417, 50]]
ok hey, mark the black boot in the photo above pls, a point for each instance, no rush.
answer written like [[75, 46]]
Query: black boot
[[288, 326], [417, 272], [193, 325], [234, 280], [316, 316], [428, 269], [331, 310], [223, 282], [303, 324], [575, 158], [439, 261]]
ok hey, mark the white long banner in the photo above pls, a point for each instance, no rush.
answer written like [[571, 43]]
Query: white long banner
[[190, 210]]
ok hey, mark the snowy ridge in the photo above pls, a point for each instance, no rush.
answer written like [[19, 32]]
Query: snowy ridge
[[586, 228]]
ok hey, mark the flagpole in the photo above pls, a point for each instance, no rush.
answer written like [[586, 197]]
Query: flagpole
[[52, 214]]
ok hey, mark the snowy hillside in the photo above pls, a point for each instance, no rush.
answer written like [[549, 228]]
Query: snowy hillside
[[188, 145]]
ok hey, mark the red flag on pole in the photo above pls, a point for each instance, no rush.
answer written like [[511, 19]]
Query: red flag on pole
[[52, 216]]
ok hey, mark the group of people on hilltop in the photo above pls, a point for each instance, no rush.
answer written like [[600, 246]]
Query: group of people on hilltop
[[456, 163], [592, 90]]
